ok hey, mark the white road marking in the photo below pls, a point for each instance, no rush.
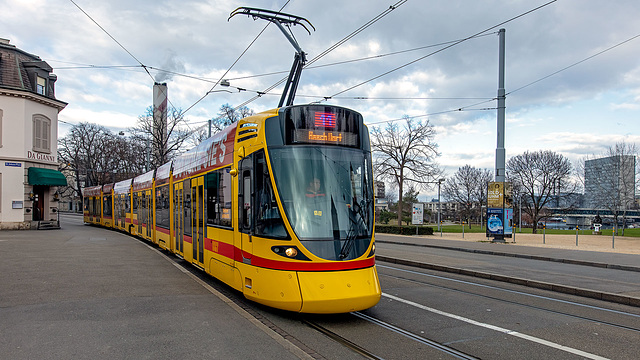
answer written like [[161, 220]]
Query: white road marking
[[499, 329]]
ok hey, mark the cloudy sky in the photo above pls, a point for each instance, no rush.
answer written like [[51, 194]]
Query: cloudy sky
[[578, 111]]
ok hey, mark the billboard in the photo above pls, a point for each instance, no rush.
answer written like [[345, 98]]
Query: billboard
[[417, 214], [499, 195], [499, 222], [495, 221]]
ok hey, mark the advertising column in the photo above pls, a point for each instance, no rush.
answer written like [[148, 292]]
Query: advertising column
[[495, 215], [499, 211]]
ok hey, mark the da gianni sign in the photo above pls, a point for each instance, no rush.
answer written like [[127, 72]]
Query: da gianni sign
[[41, 157]]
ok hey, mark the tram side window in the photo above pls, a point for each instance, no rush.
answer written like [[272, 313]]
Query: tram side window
[[162, 206], [218, 184], [107, 206], [95, 206], [268, 220]]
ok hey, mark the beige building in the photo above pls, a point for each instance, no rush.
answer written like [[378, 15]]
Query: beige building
[[29, 176]]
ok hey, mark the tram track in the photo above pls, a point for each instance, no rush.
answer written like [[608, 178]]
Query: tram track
[[257, 313], [346, 330], [605, 311], [389, 327]]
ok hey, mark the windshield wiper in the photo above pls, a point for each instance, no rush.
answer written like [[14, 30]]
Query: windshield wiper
[[356, 217]]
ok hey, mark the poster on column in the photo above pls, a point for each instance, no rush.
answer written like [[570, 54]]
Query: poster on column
[[417, 216], [508, 222], [495, 218]]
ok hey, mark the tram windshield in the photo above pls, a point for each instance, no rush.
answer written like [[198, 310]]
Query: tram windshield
[[327, 196]]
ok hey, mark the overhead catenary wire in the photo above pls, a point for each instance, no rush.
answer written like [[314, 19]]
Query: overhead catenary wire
[[467, 108], [470, 107], [125, 49], [147, 68], [575, 64], [108, 34], [443, 49], [213, 81], [331, 48], [236, 61]]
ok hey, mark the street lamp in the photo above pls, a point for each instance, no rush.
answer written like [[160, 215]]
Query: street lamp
[[224, 83]]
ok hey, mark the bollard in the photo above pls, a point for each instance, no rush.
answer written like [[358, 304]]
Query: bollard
[[576, 235], [463, 229], [544, 233], [440, 228], [613, 239]]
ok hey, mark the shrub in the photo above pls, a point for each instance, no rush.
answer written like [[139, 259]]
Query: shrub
[[404, 230]]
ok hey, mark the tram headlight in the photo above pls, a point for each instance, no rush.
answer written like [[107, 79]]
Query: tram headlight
[[291, 252]]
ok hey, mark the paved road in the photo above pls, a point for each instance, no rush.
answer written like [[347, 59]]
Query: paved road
[[87, 292], [603, 275]]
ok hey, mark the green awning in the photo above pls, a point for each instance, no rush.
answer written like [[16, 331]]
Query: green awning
[[50, 177]]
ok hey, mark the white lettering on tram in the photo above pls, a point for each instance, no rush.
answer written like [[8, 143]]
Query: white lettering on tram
[[212, 151]]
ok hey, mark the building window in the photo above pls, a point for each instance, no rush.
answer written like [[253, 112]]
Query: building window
[[0, 128], [41, 85], [41, 134]]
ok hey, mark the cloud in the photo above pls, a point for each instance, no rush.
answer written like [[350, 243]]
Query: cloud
[[194, 37]]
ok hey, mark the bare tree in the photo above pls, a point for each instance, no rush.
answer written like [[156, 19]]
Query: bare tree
[[468, 188], [484, 177], [405, 155], [227, 116], [610, 180], [82, 154], [92, 155], [539, 176], [168, 142]]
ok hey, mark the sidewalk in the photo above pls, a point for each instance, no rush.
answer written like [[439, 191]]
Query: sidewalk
[[83, 292], [600, 243]]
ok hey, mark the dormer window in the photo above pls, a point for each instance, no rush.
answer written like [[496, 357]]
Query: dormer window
[[41, 85]]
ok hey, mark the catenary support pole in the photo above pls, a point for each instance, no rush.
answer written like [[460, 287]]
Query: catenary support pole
[[500, 151]]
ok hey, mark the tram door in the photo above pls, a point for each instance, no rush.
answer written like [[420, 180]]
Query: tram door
[[178, 217], [149, 210], [141, 206], [245, 194], [197, 219]]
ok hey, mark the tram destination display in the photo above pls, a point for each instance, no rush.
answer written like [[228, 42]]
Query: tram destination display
[[323, 125]]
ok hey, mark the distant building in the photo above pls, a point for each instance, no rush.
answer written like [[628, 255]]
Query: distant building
[[610, 178], [380, 189], [29, 174]]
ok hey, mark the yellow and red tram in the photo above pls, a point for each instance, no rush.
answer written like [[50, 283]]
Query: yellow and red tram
[[122, 205], [107, 205], [142, 208], [278, 205], [162, 198], [92, 208]]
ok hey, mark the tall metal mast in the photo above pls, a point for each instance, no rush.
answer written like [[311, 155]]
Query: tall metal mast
[[281, 20], [500, 151]]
